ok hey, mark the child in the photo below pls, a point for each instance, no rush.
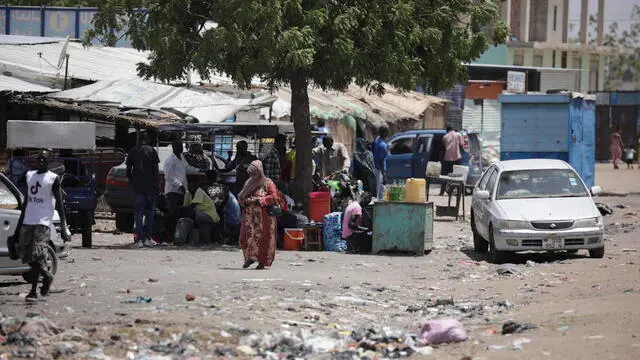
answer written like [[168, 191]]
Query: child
[[629, 154]]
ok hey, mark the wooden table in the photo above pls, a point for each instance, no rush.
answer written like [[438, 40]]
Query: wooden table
[[450, 183]]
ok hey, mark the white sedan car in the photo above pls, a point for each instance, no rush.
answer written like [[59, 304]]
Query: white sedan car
[[534, 205]]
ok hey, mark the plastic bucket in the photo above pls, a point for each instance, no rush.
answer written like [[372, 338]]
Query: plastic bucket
[[293, 239], [319, 205]]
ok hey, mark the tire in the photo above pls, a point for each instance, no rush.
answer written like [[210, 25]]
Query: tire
[[597, 253], [479, 244], [125, 222], [52, 264], [87, 229], [495, 256]]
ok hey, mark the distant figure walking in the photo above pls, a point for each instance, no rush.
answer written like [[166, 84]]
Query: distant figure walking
[[616, 147], [143, 173], [258, 229]]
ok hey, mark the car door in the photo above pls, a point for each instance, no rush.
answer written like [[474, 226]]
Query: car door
[[10, 208], [400, 159], [424, 144], [481, 207]]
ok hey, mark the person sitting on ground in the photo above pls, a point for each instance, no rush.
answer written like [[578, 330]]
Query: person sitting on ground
[[355, 221], [330, 158], [205, 212]]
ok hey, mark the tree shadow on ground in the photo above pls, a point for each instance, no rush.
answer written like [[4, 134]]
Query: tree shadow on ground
[[523, 257]]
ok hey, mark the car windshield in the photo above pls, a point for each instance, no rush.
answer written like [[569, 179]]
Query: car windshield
[[530, 184]]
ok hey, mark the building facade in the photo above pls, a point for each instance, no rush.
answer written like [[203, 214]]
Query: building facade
[[539, 38]]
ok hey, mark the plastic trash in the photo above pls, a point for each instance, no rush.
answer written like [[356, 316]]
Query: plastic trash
[[138, 300], [508, 269], [442, 331], [512, 327]]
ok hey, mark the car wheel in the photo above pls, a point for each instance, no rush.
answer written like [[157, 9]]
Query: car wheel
[[87, 227], [495, 256], [597, 253], [51, 261], [125, 222], [479, 244]]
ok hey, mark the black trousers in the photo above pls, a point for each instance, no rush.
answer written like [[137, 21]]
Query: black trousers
[[174, 207]]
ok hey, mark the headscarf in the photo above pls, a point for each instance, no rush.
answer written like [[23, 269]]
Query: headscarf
[[363, 165], [363, 155], [256, 180]]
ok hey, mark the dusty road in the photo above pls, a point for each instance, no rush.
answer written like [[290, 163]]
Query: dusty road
[[583, 308]]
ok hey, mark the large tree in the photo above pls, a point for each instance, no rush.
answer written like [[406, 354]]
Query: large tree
[[300, 43]]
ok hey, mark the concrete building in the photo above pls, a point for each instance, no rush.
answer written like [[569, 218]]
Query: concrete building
[[539, 38]]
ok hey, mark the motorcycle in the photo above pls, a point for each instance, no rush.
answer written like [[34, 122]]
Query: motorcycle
[[341, 185]]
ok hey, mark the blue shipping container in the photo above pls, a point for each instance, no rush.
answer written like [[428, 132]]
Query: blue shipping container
[[558, 126]]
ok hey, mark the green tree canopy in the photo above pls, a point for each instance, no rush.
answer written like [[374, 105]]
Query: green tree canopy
[[324, 43]]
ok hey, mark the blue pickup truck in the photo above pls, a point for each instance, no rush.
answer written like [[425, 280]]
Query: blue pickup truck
[[410, 151]]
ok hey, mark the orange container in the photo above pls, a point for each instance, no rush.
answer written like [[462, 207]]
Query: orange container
[[319, 205], [293, 239]]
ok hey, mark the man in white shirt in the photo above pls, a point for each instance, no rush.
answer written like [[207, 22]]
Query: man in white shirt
[[175, 184], [43, 196]]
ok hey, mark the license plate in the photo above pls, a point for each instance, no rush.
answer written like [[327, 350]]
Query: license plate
[[553, 244]]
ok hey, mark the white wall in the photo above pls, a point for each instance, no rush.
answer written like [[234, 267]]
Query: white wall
[[555, 36]]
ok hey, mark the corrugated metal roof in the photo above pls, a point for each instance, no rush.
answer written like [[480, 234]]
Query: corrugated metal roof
[[9, 83], [39, 60], [27, 40], [358, 103], [135, 93]]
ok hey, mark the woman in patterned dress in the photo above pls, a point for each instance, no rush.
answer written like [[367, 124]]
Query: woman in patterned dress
[[258, 229]]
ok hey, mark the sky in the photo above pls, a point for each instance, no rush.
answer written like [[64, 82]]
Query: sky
[[615, 10]]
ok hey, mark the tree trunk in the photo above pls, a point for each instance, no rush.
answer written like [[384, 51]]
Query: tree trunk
[[302, 126]]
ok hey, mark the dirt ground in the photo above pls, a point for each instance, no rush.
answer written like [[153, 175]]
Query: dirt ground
[[582, 308]]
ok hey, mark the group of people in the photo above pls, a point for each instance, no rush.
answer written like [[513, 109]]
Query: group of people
[[618, 149]]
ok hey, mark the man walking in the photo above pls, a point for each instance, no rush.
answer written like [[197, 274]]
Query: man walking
[[142, 171], [175, 184], [43, 195], [380, 152], [452, 142]]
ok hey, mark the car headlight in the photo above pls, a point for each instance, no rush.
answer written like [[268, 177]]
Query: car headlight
[[589, 222], [512, 224]]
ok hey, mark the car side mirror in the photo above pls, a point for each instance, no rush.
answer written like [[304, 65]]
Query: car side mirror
[[483, 195], [596, 190]]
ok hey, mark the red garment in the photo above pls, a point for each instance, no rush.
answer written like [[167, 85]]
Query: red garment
[[258, 229]]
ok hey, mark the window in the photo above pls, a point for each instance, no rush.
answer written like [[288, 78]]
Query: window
[[424, 144], [518, 60], [7, 199], [482, 185], [402, 146], [555, 18], [529, 184], [491, 184]]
